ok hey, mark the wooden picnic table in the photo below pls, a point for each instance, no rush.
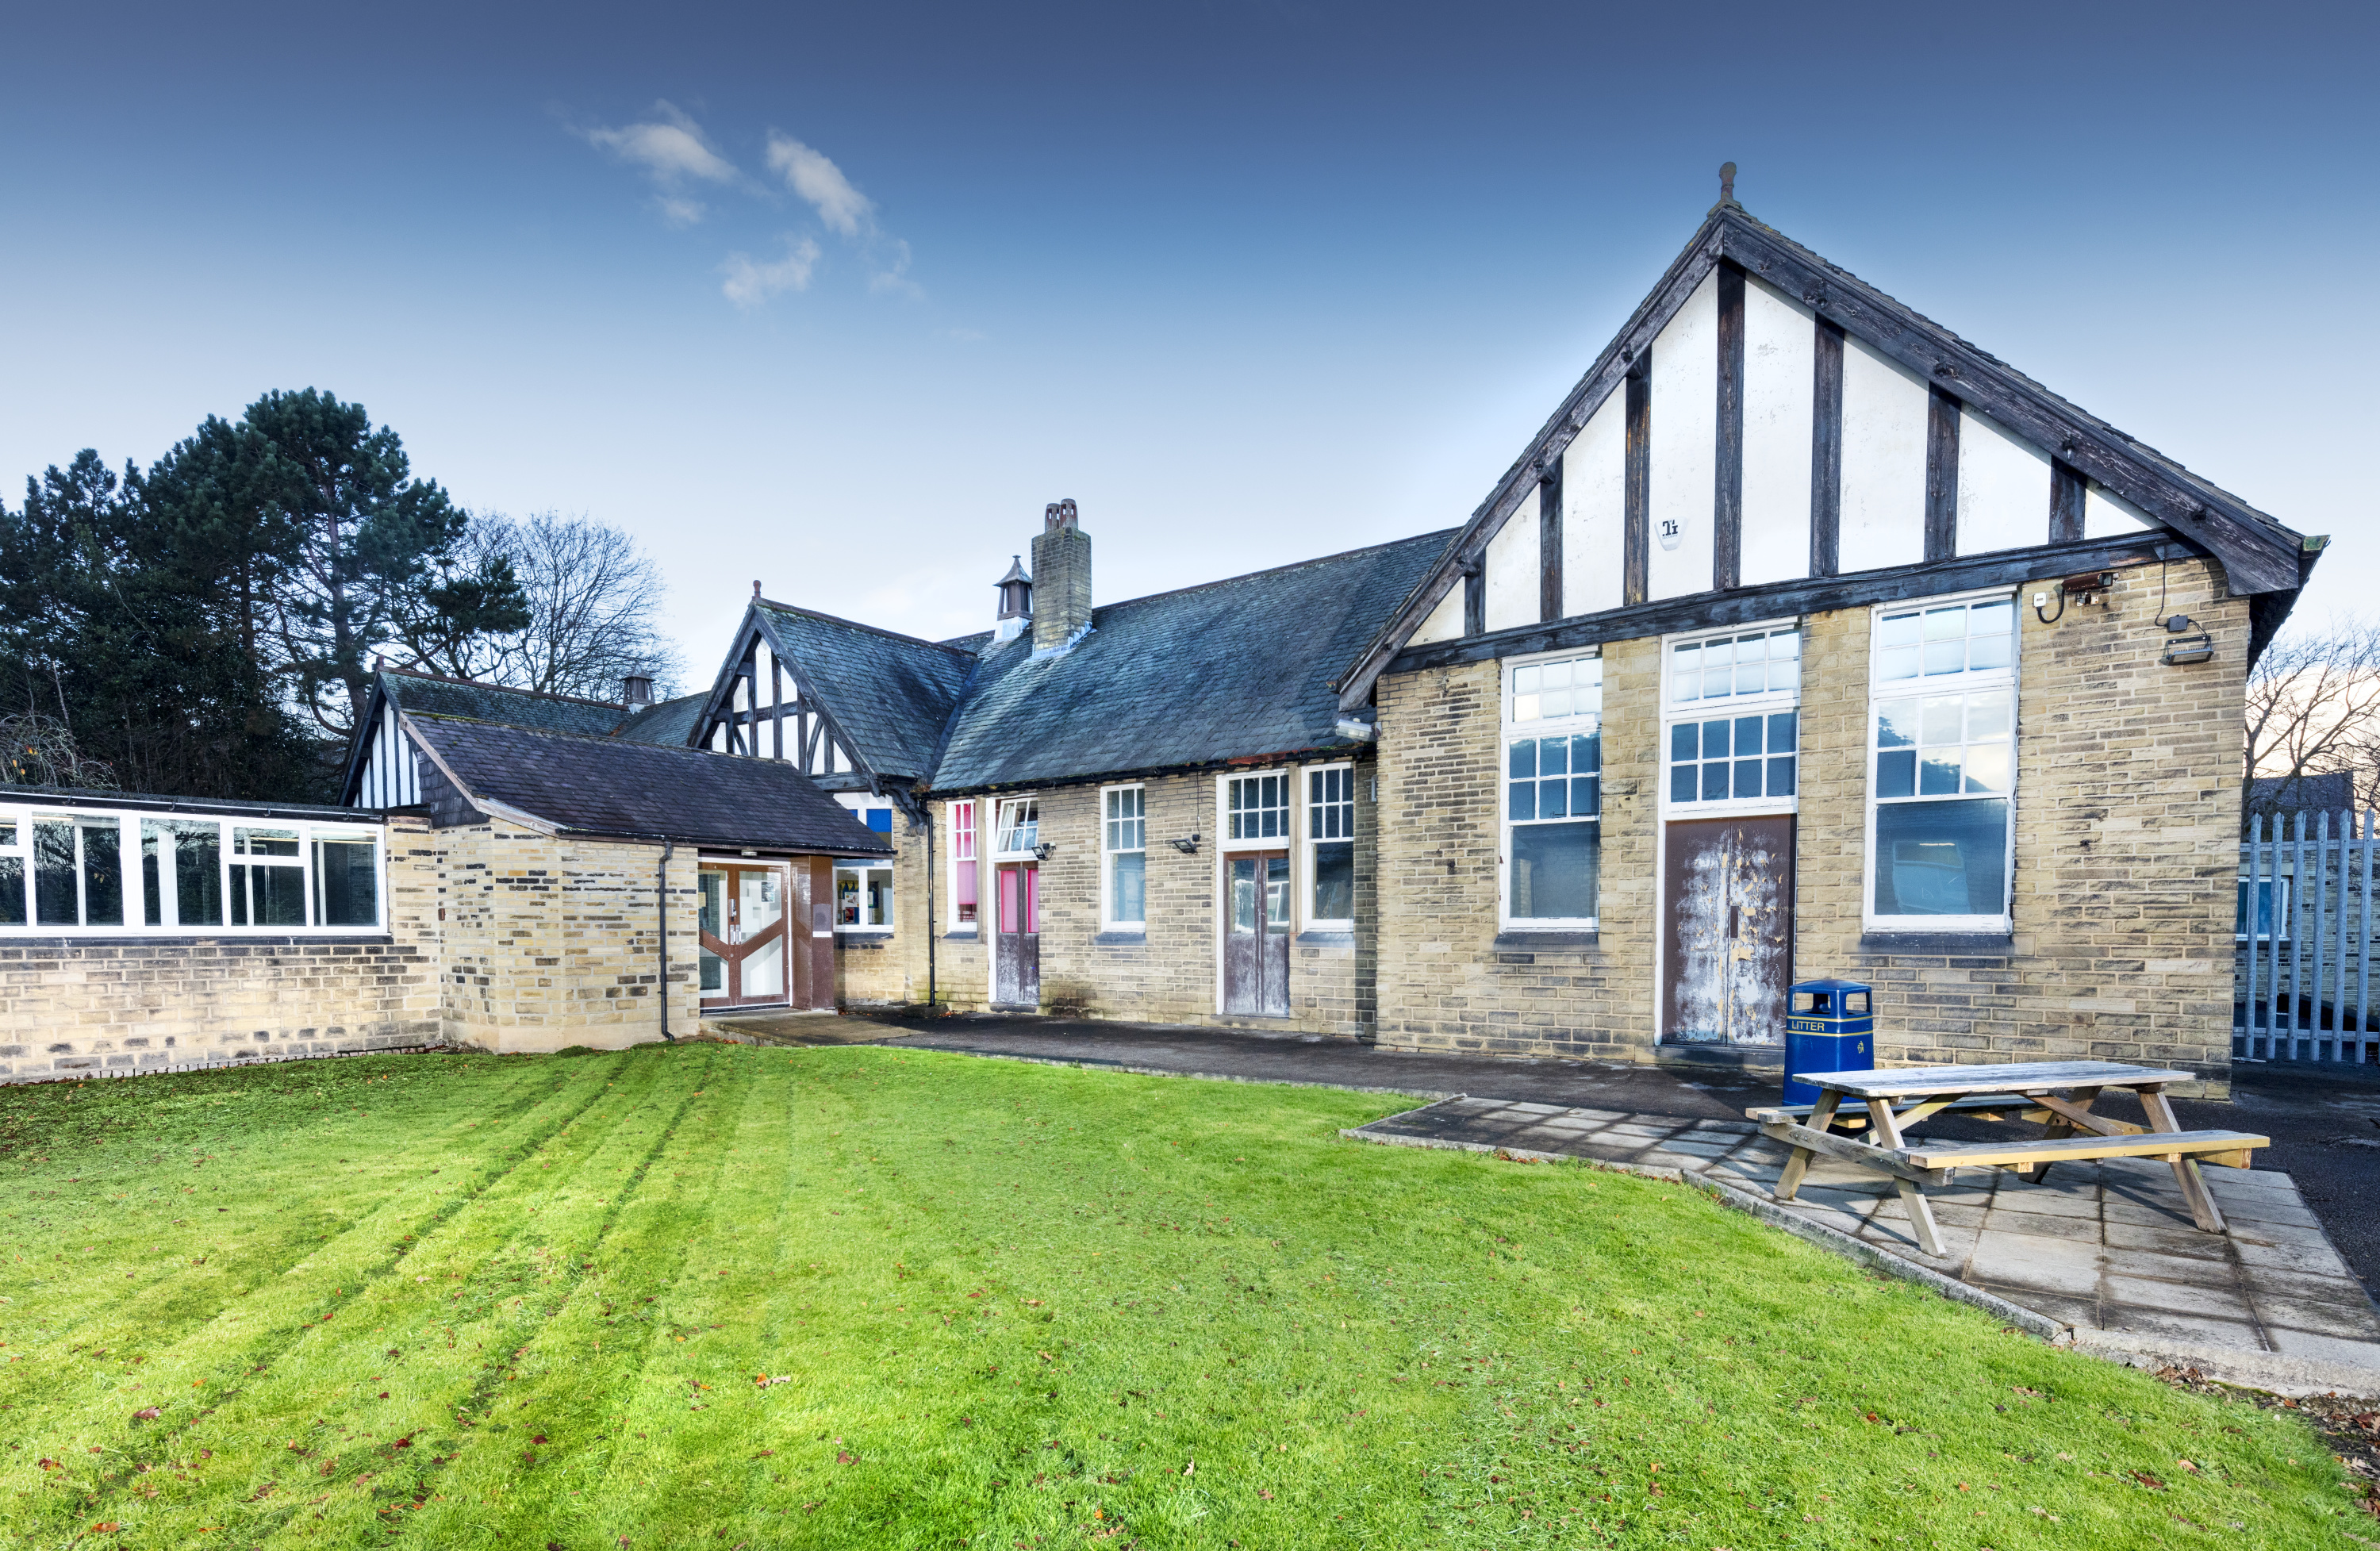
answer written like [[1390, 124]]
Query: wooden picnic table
[[2059, 1094]]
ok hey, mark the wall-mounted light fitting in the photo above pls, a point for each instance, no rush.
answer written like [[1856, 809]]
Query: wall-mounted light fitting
[[2086, 588], [1045, 850], [2181, 651], [1188, 846]]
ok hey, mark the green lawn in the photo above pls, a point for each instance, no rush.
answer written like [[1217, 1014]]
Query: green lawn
[[465, 1300]]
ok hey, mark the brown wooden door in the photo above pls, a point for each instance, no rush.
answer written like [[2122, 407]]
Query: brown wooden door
[[1016, 952], [1728, 896], [1255, 933], [746, 957]]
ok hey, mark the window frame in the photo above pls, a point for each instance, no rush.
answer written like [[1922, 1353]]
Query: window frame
[[1285, 840], [1108, 923], [962, 815], [131, 822], [1966, 680], [862, 866], [1506, 731], [1307, 841], [1765, 703], [999, 827]]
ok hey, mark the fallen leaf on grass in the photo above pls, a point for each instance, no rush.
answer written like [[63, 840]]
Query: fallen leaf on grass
[[844, 1457], [146, 1413]]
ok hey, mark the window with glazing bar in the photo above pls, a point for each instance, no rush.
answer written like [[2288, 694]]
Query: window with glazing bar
[[1943, 775], [1123, 848], [1330, 846], [1553, 793]]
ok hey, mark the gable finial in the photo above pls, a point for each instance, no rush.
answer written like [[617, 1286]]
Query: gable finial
[[756, 591], [1726, 187]]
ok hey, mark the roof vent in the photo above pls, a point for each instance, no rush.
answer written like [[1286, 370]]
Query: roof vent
[[1016, 601], [636, 691]]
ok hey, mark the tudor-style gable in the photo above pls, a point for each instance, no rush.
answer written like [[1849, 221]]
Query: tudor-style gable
[[1771, 435]]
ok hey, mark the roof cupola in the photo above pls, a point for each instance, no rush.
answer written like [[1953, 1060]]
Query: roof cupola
[[1016, 601]]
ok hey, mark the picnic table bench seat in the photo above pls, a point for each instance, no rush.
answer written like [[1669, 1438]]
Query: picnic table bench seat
[[2229, 1148]]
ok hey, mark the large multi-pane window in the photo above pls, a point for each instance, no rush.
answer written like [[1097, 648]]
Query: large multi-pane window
[[1330, 846], [1553, 792], [129, 871], [1733, 719], [1124, 854], [1943, 744], [964, 880]]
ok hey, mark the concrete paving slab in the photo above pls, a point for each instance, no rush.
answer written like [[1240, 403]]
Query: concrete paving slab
[[2068, 1266], [2237, 1334], [2331, 1349], [2085, 1229], [2120, 1293], [2316, 1316], [2188, 1243], [2319, 1260], [2039, 1202]]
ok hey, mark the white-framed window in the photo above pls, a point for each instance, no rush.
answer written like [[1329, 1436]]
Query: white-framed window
[[2272, 910], [966, 881], [1124, 857], [124, 871], [1018, 829], [1730, 736], [1942, 770], [863, 896], [1552, 791], [1256, 809], [1331, 847]]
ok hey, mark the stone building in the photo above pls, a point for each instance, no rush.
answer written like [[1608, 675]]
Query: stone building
[[1804, 639]]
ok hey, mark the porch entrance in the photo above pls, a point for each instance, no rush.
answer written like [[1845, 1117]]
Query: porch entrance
[[1255, 933], [1728, 898], [1017, 935], [747, 957]]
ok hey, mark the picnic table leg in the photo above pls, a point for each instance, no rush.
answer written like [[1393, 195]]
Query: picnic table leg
[[1887, 1127], [2082, 1098], [2200, 1201], [1821, 1117]]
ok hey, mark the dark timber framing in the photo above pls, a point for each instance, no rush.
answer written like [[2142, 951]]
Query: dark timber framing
[[1635, 520], [1474, 596], [1727, 503], [1941, 475], [1827, 450], [2066, 500], [1550, 540], [2258, 555], [1811, 595], [815, 731]]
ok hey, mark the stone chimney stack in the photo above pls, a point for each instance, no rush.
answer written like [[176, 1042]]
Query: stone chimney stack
[[1062, 579]]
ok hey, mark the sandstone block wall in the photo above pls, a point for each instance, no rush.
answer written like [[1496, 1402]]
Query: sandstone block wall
[[2126, 815]]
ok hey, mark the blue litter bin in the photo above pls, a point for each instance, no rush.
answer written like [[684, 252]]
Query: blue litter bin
[[1830, 1026]]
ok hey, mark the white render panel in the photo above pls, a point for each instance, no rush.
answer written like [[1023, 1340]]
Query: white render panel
[[1682, 469], [1884, 462], [1514, 590], [2003, 487], [1779, 363], [1595, 498], [2107, 514], [1443, 622]]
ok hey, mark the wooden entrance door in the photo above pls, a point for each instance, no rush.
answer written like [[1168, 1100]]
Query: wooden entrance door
[[1016, 938], [1729, 900], [746, 955], [1255, 933]]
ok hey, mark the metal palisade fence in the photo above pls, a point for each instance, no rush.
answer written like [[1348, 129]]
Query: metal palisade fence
[[2303, 969]]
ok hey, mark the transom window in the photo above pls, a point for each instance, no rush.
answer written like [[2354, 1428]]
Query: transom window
[[1019, 830], [1733, 720], [1124, 845], [1330, 846], [1942, 773], [1256, 807], [1553, 793]]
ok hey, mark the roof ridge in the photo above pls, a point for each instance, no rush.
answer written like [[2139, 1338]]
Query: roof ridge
[[857, 624], [1277, 570], [506, 688], [610, 740]]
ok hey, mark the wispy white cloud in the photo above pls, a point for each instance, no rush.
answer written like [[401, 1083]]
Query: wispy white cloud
[[672, 150], [893, 273], [810, 173], [751, 281]]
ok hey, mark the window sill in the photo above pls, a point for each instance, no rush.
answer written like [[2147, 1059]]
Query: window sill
[[1327, 933], [962, 934], [1957, 944], [246, 937], [1517, 936], [865, 937], [1121, 939]]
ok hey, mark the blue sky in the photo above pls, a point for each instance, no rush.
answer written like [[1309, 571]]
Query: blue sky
[[839, 297]]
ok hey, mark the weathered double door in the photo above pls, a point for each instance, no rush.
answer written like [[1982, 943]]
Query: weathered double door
[[1729, 954], [1017, 935], [1255, 933]]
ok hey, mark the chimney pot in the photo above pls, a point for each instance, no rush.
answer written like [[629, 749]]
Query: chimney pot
[[637, 691]]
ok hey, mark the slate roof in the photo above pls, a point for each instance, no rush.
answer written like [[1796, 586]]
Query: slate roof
[[1233, 669], [611, 786], [434, 695], [890, 695], [665, 722]]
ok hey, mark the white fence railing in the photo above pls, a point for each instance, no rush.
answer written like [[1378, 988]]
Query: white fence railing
[[2302, 974]]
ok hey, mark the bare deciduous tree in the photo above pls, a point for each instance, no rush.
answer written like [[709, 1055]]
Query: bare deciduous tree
[[37, 750], [592, 599], [2314, 709]]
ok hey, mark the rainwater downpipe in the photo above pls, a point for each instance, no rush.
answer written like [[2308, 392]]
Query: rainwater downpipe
[[661, 910], [932, 919]]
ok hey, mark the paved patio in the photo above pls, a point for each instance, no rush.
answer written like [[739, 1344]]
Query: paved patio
[[2105, 1248]]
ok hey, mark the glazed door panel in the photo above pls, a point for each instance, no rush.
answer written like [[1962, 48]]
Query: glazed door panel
[[743, 950], [1727, 897], [1016, 938], [1256, 934]]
